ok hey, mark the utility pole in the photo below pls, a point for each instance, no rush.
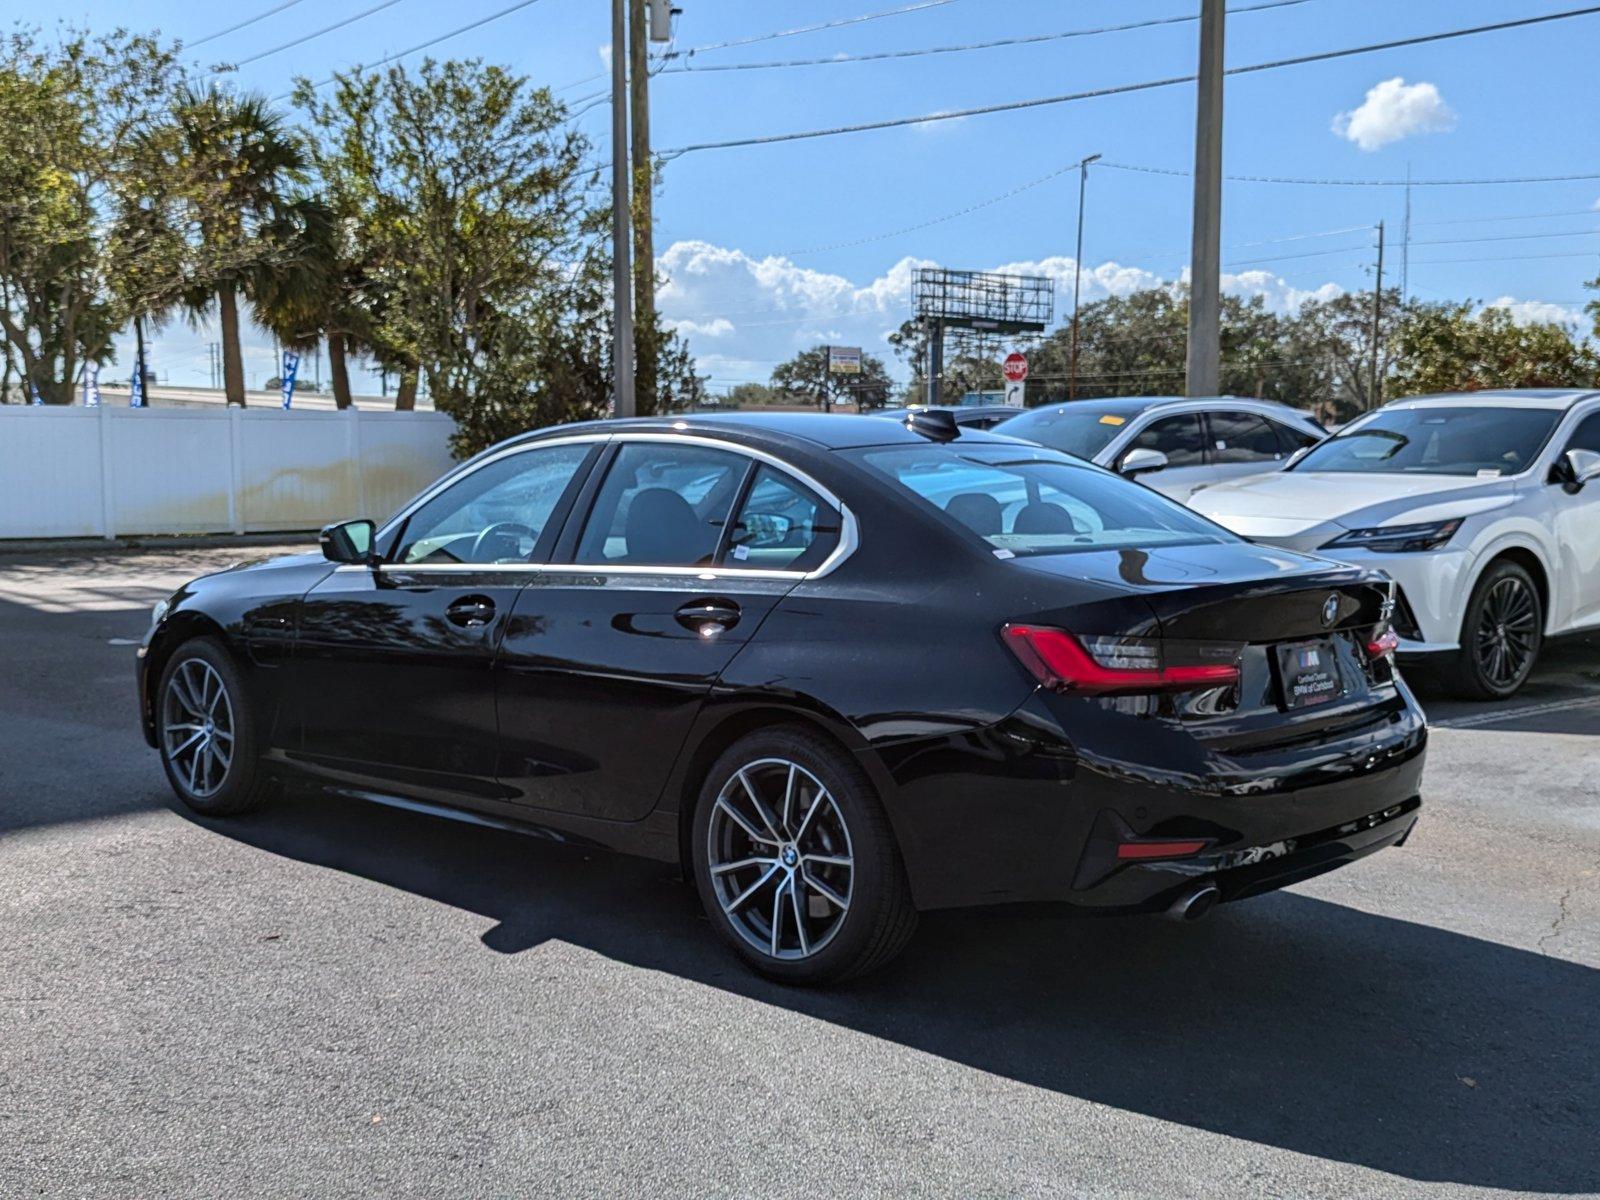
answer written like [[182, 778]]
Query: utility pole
[[1077, 275], [1405, 244], [935, 361], [144, 374], [1205, 257], [644, 251], [622, 299], [1373, 397]]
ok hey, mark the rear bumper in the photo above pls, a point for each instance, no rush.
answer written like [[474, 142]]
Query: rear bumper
[[1020, 812]]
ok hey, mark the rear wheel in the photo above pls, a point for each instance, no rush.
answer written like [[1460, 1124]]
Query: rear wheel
[[1501, 634], [205, 731], [795, 861]]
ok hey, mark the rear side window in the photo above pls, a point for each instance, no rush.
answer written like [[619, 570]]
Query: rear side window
[[1291, 439], [782, 525], [1041, 503], [662, 505], [1240, 437], [1179, 437]]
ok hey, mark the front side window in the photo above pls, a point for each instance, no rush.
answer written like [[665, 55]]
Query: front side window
[[1587, 435], [496, 514], [782, 525], [662, 505], [1241, 437], [1040, 503], [1180, 438], [1436, 440]]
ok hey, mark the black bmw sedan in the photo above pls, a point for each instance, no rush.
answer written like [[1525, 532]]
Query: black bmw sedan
[[841, 670]]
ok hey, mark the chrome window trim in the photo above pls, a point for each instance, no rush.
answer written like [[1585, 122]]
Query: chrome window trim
[[849, 530]]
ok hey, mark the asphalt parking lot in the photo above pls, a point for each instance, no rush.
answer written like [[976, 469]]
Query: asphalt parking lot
[[330, 999]]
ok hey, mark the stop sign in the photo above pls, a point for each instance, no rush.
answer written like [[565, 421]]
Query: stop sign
[[1015, 367]]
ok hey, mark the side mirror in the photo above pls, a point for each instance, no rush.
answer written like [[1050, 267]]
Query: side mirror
[[1579, 467], [347, 542], [1142, 461], [762, 530]]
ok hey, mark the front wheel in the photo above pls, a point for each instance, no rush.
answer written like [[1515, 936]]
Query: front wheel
[[1501, 634], [795, 861], [205, 731]]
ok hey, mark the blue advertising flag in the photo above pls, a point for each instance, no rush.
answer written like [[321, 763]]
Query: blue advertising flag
[[91, 385], [37, 399], [136, 387], [291, 364]]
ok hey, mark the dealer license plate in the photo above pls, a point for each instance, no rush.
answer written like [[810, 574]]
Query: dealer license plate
[[1309, 672]]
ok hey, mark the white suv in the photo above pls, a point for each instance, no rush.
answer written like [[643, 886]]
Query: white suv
[[1484, 508]]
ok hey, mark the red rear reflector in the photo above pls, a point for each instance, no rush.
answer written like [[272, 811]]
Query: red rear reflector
[[1059, 660], [1386, 642], [1168, 848]]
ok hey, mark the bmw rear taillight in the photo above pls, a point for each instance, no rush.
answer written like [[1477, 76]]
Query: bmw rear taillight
[[1068, 662], [1386, 642]]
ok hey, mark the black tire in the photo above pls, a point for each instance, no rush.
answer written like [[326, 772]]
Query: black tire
[[1501, 634], [200, 777], [879, 918]]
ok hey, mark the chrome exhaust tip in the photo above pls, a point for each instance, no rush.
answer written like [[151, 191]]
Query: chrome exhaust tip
[[1194, 904]]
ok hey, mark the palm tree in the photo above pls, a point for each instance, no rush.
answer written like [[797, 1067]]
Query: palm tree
[[236, 163]]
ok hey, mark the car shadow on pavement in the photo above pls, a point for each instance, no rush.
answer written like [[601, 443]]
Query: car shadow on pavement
[[1288, 1021]]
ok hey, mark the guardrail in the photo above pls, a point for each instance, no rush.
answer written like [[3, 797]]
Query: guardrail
[[110, 471]]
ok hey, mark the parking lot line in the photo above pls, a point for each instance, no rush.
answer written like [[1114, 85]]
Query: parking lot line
[[1511, 714]]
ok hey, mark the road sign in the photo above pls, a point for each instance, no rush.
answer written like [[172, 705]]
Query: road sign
[[1014, 392], [1015, 367], [844, 360]]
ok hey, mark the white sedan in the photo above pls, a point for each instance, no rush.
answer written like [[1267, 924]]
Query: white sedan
[[1484, 508], [1171, 443]]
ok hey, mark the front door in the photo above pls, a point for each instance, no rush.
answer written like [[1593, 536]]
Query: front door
[[606, 661], [392, 679], [1577, 529]]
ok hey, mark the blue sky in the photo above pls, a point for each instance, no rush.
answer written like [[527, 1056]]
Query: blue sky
[[772, 248]]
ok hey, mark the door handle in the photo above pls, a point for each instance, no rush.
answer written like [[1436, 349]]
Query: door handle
[[709, 616], [470, 612]]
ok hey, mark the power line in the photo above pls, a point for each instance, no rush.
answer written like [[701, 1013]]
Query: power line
[[261, 16], [1571, 212], [1116, 166], [303, 38], [783, 33], [1124, 89], [1031, 39], [1511, 257], [1506, 237], [460, 29]]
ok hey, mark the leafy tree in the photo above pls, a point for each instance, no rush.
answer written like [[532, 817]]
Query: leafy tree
[[1448, 348], [218, 217], [805, 379], [69, 110], [752, 395]]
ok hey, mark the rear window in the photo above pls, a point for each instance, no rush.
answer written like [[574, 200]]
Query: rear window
[[1038, 503]]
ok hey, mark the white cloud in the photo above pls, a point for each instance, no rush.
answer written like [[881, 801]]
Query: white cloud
[[1393, 110], [1537, 312], [744, 315]]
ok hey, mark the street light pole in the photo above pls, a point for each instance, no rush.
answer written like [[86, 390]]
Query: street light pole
[[621, 272], [1205, 258], [1077, 275]]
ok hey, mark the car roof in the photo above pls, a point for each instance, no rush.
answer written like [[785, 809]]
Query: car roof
[[1132, 406], [829, 431], [1557, 398], [958, 410]]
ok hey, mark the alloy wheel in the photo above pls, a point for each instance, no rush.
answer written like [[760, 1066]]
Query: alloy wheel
[[197, 727], [1507, 632], [782, 868]]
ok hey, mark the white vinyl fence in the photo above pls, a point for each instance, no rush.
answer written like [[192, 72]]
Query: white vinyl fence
[[88, 472]]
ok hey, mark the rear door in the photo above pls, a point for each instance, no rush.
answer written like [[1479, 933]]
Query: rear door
[[671, 561], [1242, 443], [1577, 530]]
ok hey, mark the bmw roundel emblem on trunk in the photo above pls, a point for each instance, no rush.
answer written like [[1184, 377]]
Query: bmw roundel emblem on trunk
[[1330, 610]]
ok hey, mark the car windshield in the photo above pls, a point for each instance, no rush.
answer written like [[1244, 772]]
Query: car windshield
[[1082, 428], [1031, 502], [1434, 440]]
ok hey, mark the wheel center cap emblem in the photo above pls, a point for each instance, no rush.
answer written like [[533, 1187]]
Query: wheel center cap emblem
[[790, 856]]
